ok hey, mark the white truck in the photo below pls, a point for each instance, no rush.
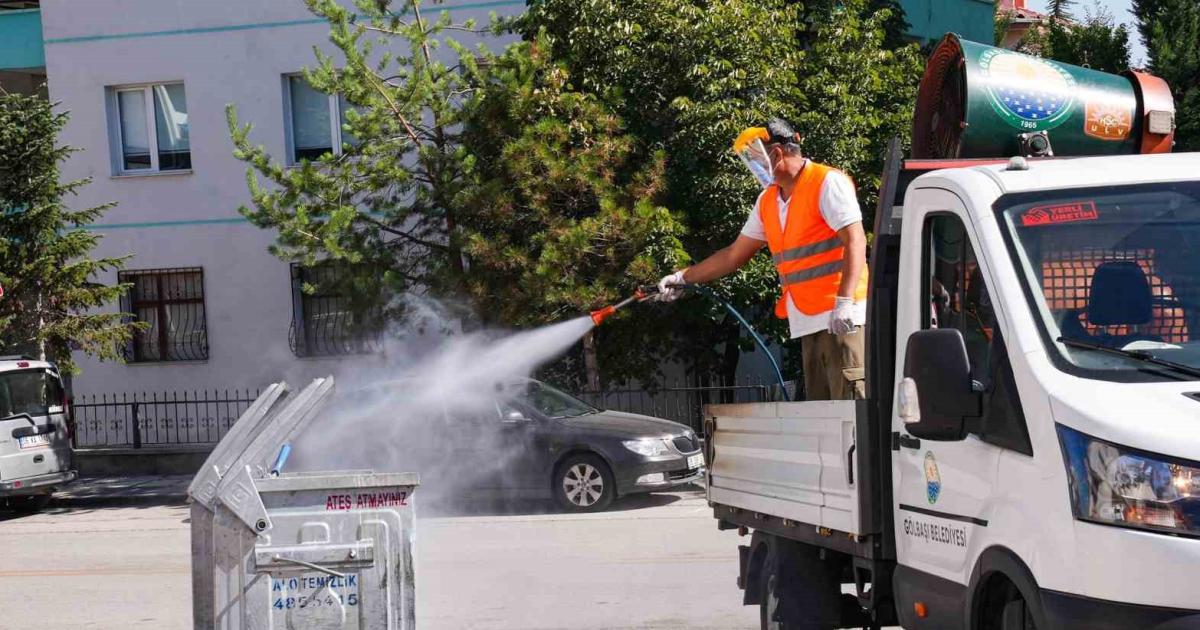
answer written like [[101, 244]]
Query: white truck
[[1028, 455]]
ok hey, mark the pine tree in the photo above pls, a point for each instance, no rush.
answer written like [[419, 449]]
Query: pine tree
[[383, 210], [488, 177], [1060, 9], [50, 305], [1170, 30]]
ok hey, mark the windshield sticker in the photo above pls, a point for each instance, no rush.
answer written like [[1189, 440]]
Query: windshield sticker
[[933, 480], [1107, 121], [1060, 213]]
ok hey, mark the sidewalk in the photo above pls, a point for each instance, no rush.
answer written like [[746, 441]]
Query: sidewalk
[[124, 490]]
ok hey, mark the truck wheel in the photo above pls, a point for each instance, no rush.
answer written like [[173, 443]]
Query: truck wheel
[[583, 483], [29, 504], [800, 591], [769, 603]]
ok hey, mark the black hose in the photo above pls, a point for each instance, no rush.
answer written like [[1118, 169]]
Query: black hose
[[707, 292]]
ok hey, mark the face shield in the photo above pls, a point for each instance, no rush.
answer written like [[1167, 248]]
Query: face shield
[[750, 147]]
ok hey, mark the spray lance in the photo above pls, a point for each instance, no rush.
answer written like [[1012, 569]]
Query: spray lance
[[646, 292]]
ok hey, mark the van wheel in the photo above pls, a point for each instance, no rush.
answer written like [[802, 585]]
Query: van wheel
[[583, 483], [29, 504], [1005, 608]]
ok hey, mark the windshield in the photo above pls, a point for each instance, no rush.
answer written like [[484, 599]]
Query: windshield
[[35, 392], [1114, 275], [548, 401]]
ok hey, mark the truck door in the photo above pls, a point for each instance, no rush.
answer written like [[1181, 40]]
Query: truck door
[[942, 489]]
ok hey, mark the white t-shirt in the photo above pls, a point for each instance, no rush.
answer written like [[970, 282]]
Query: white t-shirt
[[839, 208]]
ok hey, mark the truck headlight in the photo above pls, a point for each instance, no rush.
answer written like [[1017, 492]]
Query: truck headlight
[[647, 447], [1117, 485]]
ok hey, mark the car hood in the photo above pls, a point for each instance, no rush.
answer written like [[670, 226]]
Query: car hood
[[629, 425]]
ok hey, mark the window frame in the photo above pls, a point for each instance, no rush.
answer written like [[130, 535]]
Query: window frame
[[117, 135], [1002, 423], [334, 103], [346, 342], [133, 351]]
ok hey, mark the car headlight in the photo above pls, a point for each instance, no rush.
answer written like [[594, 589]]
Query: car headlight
[[1118, 485], [648, 447]]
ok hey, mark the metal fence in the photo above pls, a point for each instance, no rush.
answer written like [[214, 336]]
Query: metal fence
[[682, 403], [204, 417], [160, 418]]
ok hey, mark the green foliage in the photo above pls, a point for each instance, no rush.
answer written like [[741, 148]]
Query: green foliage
[[689, 75], [49, 304], [1171, 32], [1096, 42], [562, 213]]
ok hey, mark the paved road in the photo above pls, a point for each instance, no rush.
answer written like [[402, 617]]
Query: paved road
[[655, 562]]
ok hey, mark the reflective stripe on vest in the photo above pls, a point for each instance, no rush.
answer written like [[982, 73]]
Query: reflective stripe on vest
[[806, 251]]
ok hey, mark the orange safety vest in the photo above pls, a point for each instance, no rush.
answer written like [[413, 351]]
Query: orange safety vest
[[806, 251]]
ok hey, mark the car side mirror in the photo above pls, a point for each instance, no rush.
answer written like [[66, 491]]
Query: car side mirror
[[515, 416], [937, 374]]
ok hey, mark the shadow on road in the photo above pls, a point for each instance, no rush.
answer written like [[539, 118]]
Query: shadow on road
[[437, 506], [57, 508]]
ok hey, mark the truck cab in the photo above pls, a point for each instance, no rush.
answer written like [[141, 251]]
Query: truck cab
[[1046, 394], [1027, 455]]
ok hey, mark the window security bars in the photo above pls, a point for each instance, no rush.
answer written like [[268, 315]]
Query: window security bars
[[171, 301]]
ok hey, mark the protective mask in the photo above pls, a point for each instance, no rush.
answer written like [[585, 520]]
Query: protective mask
[[753, 153]]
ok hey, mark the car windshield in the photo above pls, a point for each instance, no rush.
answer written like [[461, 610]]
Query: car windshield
[[549, 401], [35, 392], [1114, 275]]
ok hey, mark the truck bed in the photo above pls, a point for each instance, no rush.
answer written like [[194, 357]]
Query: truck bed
[[793, 461]]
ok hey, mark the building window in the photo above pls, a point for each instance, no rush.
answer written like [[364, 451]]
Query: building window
[[150, 129], [171, 303], [323, 322], [315, 120]]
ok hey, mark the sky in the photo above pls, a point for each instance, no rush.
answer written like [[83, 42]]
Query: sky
[[1120, 12]]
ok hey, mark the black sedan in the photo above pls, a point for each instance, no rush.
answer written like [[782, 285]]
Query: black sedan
[[525, 438]]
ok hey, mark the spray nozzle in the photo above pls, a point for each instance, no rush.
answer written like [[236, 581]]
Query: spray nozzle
[[598, 316]]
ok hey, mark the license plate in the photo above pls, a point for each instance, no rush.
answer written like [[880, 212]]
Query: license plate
[[33, 441], [695, 461]]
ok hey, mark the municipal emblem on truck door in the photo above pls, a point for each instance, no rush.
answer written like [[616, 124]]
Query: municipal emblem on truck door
[[1028, 93], [933, 481]]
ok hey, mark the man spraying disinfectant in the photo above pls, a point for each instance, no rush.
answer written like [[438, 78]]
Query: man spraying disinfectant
[[809, 218]]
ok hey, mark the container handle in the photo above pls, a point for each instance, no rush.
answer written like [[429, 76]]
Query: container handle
[[310, 565]]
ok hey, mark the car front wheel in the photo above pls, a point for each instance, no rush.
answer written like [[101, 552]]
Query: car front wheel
[[583, 483]]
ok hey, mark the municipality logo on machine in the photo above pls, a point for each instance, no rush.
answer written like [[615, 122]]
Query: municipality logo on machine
[[1028, 93], [933, 481]]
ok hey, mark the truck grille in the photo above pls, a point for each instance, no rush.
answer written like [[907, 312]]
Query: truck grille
[[686, 444]]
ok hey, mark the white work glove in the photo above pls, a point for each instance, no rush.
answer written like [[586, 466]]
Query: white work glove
[[671, 287], [846, 316]]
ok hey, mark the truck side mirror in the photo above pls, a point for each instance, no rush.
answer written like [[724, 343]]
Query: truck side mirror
[[937, 373]]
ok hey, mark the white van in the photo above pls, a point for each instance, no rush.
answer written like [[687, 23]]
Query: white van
[[35, 438]]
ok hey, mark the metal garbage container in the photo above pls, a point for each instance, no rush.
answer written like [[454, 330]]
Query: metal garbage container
[[276, 550]]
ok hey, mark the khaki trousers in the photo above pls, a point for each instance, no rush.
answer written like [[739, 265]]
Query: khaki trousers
[[833, 365]]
